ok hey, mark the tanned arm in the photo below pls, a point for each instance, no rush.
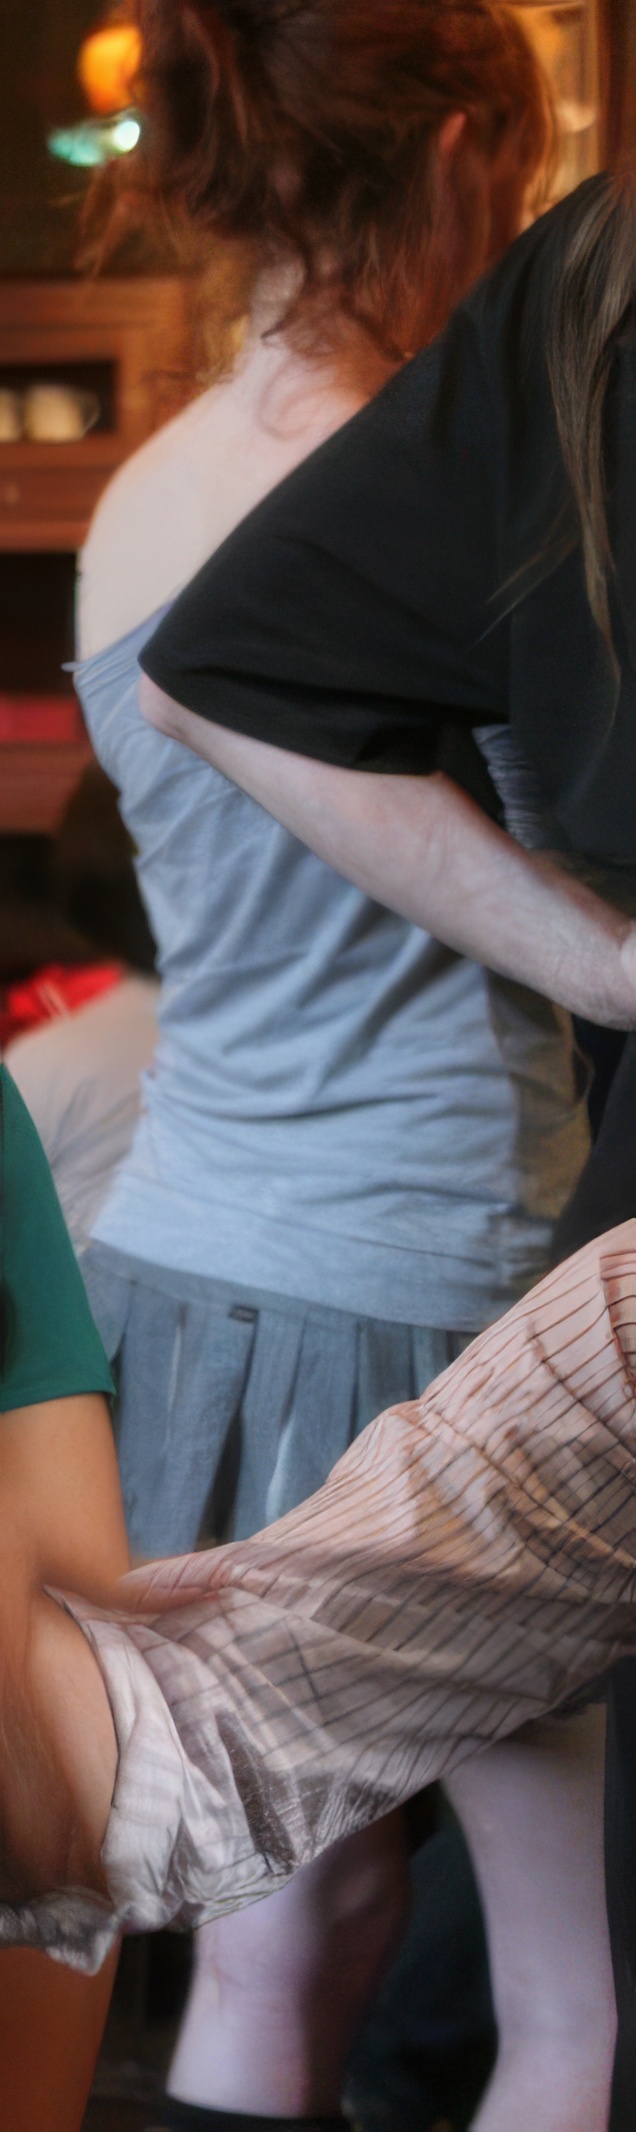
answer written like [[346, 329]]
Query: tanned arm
[[59, 1490], [62, 1523]]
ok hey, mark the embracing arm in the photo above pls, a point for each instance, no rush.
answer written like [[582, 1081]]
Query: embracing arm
[[423, 848], [363, 607]]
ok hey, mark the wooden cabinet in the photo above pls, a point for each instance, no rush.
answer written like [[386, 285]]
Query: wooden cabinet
[[132, 339], [48, 493], [125, 345]]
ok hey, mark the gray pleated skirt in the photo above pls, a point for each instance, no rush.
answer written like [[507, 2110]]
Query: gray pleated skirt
[[233, 1404]]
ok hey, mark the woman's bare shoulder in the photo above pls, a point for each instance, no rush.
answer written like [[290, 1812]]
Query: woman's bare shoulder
[[146, 535], [178, 497]]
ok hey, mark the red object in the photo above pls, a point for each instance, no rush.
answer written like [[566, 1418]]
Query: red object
[[40, 718], [54, 991]]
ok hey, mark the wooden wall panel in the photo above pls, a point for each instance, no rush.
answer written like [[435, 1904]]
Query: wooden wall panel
[[48, 491]]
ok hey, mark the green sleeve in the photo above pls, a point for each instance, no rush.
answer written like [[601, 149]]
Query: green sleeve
[[50, 1345]]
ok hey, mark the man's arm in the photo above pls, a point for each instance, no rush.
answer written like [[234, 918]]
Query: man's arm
[[423, 848]]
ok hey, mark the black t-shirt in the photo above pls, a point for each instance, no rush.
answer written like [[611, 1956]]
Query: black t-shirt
[[421, 574]]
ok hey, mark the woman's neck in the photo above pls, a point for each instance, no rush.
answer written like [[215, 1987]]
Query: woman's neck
[[284, 394], [350, 370]]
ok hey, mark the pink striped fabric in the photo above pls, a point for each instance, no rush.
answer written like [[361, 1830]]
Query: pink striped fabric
[[469, 1565]]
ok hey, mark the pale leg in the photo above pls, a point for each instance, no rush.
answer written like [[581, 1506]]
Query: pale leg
[[532, 1813], [280, 1988]]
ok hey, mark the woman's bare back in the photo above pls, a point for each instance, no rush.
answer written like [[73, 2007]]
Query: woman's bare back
[[185, 490]]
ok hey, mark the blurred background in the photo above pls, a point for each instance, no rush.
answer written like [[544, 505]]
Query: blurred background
[[89, 367]]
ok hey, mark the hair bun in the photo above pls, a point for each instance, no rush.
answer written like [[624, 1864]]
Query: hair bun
[[307, 130]]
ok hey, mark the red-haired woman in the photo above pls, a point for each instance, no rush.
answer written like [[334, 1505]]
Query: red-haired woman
[[354, 1143]]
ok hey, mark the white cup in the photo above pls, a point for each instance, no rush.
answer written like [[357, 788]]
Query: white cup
[[11, 423], [59, 414]]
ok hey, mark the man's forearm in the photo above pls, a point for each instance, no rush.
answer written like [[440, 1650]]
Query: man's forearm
[[422, 847]]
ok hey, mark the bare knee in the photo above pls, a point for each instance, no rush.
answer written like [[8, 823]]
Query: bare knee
[[338, 1919], [363, 1896], [532, 1810]]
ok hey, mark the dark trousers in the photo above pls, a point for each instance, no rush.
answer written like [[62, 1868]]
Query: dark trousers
[[605, 1195], [620, 1859]]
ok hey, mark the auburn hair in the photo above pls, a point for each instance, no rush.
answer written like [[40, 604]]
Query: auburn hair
[[305, 132]]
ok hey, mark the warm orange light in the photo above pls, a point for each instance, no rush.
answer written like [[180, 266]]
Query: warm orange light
[[107, 65]]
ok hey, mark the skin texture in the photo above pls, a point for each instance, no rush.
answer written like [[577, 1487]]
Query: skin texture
[[58, 1769], [63, 1526], [59, 1488], [63, 1522], [51, 2025], [539, 1797], [282, 1986], [423, 848]]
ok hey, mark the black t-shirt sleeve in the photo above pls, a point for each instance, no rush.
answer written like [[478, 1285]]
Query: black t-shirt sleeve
[[345, 617], [362, 613]]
